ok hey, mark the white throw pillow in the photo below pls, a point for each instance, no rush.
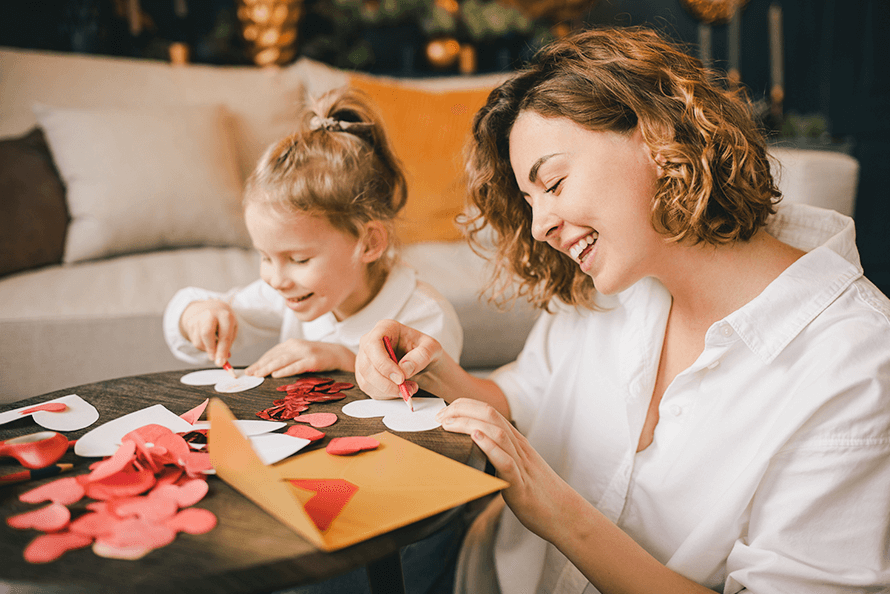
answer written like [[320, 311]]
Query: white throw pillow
[[145, 179]]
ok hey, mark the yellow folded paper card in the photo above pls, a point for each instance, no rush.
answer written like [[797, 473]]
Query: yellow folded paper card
[[392, 486]]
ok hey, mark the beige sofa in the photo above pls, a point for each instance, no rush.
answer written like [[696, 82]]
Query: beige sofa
[[152, 157], [82, 295]]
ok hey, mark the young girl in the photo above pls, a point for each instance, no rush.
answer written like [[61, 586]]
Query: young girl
[[319, 208], [705, 402]]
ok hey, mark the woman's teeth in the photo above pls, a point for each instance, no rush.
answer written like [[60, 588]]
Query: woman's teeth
[[576, 250]]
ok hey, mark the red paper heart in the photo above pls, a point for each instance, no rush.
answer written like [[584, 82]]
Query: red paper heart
[[318, 420], [331, 496], [123, 484], [114, 464], [193, 520], [65, 491], [49, 547], [343, 446], [304, 432], [133, 538], [50, 518]]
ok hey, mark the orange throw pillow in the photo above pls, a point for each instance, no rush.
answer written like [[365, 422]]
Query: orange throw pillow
[[428, 131]]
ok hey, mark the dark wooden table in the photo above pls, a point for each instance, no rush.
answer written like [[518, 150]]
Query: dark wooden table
[[248, 551]]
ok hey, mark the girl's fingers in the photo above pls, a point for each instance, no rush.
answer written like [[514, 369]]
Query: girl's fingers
[[226, 331]]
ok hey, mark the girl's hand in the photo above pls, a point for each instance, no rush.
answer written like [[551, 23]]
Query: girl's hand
[[378, 375], [211, 326], [537, 495], [294, 356]]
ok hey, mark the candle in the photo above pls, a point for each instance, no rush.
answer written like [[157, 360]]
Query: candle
[[775, 45], [735, 40], [704, 44]]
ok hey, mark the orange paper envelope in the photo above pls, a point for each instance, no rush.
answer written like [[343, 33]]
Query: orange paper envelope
[[397, 484]]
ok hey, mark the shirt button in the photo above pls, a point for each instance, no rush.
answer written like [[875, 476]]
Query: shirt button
[[676, 410], [714, 365], [726, 330]]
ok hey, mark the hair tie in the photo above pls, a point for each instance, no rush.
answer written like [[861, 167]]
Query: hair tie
[[319, 123]]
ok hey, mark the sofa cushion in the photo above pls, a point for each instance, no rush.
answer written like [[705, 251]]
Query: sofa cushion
[[33, 215], [146, 179], [263, 101], [428, 130]]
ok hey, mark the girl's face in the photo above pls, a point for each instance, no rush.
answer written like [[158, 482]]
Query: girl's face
[[316, 267], [591, 196]]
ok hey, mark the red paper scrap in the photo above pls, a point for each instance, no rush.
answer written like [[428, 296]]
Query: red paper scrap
[[48, 407], [191, 417], [331, 496], [343, 446], [304, 432], [318, 420]]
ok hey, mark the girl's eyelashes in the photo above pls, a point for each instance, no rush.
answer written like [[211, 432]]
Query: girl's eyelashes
[[299, 260]]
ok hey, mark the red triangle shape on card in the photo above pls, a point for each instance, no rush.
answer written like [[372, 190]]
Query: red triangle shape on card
[[331, 496]]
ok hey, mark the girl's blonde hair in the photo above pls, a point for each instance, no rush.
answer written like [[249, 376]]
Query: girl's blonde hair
[[338, 164], [716, 185]]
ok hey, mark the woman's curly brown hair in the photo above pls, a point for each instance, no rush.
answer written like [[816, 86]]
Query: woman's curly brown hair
[[716, 185]]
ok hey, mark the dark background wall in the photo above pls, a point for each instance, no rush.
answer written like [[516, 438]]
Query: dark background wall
[[835, 62]]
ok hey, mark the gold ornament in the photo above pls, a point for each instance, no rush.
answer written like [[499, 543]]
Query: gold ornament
[[713, 11], [442, 52], [554, 10], [270, 29]]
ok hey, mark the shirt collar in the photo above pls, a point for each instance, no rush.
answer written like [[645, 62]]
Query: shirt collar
[[389, 301], [775, 317]]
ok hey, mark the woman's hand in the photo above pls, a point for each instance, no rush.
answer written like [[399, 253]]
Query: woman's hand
[[536, 494], [211, 326], [295, 356], [375, 371]]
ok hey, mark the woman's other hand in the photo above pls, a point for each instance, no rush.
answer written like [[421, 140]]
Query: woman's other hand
[[536, 493]]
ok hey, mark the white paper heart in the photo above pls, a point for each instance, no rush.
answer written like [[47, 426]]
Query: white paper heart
[[396, 415], [221, 380], [78, 415], [244, 382]]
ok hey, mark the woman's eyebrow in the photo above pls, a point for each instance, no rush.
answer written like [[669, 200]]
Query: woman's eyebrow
[[533, 172]]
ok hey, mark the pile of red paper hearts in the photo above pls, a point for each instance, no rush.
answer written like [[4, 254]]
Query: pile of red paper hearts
[[143, 496], [301, 394]]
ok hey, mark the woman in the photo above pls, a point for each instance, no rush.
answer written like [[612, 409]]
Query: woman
[[705, 402]]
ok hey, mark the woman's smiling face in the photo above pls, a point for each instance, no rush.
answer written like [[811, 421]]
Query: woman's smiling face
[[591, 196]]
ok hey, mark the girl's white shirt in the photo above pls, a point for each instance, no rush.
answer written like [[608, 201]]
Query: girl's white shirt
[[263, 314], [770, 466]]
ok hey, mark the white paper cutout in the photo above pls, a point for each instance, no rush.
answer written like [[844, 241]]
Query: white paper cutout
[[248, 427], [221, 380], [274, 447], [79, 414], [105, 439], [396, 415]]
